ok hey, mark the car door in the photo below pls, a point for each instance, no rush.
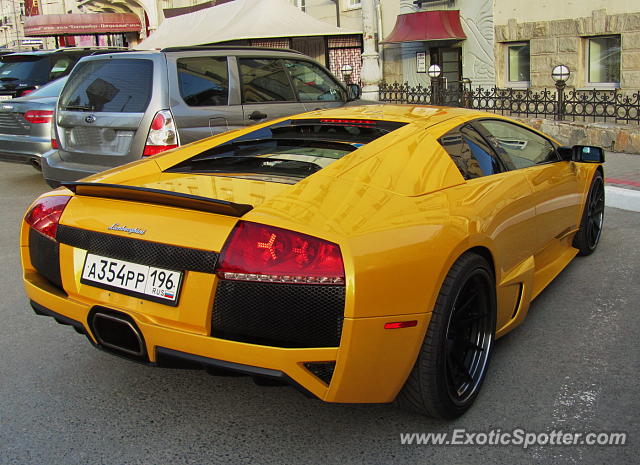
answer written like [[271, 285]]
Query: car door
[[507, 214], [204, 95], [314, 86], [553, 180], [266, 89]]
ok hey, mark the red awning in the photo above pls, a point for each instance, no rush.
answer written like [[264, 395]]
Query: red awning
[[427, 25], [81, 24]]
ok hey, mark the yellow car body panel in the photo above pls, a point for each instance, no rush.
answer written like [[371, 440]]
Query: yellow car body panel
[[398, 208]]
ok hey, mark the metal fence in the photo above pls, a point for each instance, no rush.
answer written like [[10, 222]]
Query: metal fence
[[612, 106]]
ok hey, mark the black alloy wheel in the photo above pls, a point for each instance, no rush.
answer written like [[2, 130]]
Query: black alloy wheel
[[469, 338], [455, 354]]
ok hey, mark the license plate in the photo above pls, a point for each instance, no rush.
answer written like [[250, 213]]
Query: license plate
[[147, 282], [5, 97]]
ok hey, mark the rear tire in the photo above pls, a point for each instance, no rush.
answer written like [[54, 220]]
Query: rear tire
[[455, 354], [588, 236]]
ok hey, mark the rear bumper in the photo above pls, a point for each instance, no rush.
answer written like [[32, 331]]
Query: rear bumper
[[166, 357], [371, 363], [55, 169], [23, 148]]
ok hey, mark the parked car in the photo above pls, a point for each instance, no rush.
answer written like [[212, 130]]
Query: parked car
[[362, 254], [23, 72], [115, 109], [25, 124]]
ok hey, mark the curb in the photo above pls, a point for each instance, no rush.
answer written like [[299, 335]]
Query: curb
[[625, 199]]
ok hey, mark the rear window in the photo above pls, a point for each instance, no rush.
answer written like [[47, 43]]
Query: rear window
[[287, 151], [27, 70], [120, 85]]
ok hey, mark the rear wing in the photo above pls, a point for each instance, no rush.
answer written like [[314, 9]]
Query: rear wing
[[158, 197]]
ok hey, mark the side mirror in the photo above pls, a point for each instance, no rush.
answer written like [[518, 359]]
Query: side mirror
[[566, 153], [353, 92], [587, 154]]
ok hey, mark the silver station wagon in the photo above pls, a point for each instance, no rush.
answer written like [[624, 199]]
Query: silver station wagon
[[118, 108]]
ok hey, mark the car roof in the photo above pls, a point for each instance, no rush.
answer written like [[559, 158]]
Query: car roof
[[426, 115], [221, 50]]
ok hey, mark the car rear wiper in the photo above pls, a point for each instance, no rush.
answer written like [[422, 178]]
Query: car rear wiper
[[240, 164], [78, 108]]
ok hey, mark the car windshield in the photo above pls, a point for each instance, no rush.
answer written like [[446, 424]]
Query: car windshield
[[29, 70], [291, 150], [51, 89]]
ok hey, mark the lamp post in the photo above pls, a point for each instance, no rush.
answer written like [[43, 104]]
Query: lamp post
[[346, 71], [560, 74], [434, 73]]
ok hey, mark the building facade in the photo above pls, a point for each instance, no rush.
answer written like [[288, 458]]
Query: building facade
[[599, 41], [462, 55], [11, 24]]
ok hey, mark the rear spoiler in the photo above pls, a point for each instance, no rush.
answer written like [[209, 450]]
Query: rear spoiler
[[158, 197]]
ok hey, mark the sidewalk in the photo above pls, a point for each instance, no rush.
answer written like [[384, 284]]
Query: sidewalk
[[622, 179]]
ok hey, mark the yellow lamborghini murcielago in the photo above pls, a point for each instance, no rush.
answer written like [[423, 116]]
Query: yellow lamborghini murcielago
[[361, 254]]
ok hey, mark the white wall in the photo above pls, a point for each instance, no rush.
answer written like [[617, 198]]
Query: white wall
[[547, 10]]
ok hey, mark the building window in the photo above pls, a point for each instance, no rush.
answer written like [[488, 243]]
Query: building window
[[353, 4], [518, 64], [300, 4], [603, 55]]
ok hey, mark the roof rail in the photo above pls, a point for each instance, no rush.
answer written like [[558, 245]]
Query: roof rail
[[193, 48]]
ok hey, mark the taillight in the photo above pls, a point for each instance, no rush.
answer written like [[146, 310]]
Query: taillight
[[45, 214], [256, 252], [162, 134], [54, 137], [25, 92], [39, 116]]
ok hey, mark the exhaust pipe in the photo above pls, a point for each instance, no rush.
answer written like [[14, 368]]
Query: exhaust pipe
[[117, 333], [35, 162]]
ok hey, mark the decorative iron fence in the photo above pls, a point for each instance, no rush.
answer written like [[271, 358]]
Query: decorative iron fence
[[613, 106]]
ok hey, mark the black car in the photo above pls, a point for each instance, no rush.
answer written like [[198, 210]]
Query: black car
[[23, 72]]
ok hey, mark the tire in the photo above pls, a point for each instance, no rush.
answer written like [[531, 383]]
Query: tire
[[437, 386], [588, 236]]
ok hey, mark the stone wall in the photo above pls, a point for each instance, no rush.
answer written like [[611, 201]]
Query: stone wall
[[612, 137], [563, 42]]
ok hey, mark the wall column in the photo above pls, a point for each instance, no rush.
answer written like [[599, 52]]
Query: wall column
[[371, 74]]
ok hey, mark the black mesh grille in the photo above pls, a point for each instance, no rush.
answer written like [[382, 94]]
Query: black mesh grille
[[137, 251], [280, 315], [44, 254], [323, 370]]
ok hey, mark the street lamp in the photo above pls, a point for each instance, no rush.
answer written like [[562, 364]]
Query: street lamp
[[434, 73], [346, 70], [560, 74]]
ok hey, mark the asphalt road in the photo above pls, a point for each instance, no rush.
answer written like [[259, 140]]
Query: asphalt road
[[573, 365]]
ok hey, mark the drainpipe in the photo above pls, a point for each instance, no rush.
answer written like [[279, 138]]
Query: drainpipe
[[337, 3], [371, 74]]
